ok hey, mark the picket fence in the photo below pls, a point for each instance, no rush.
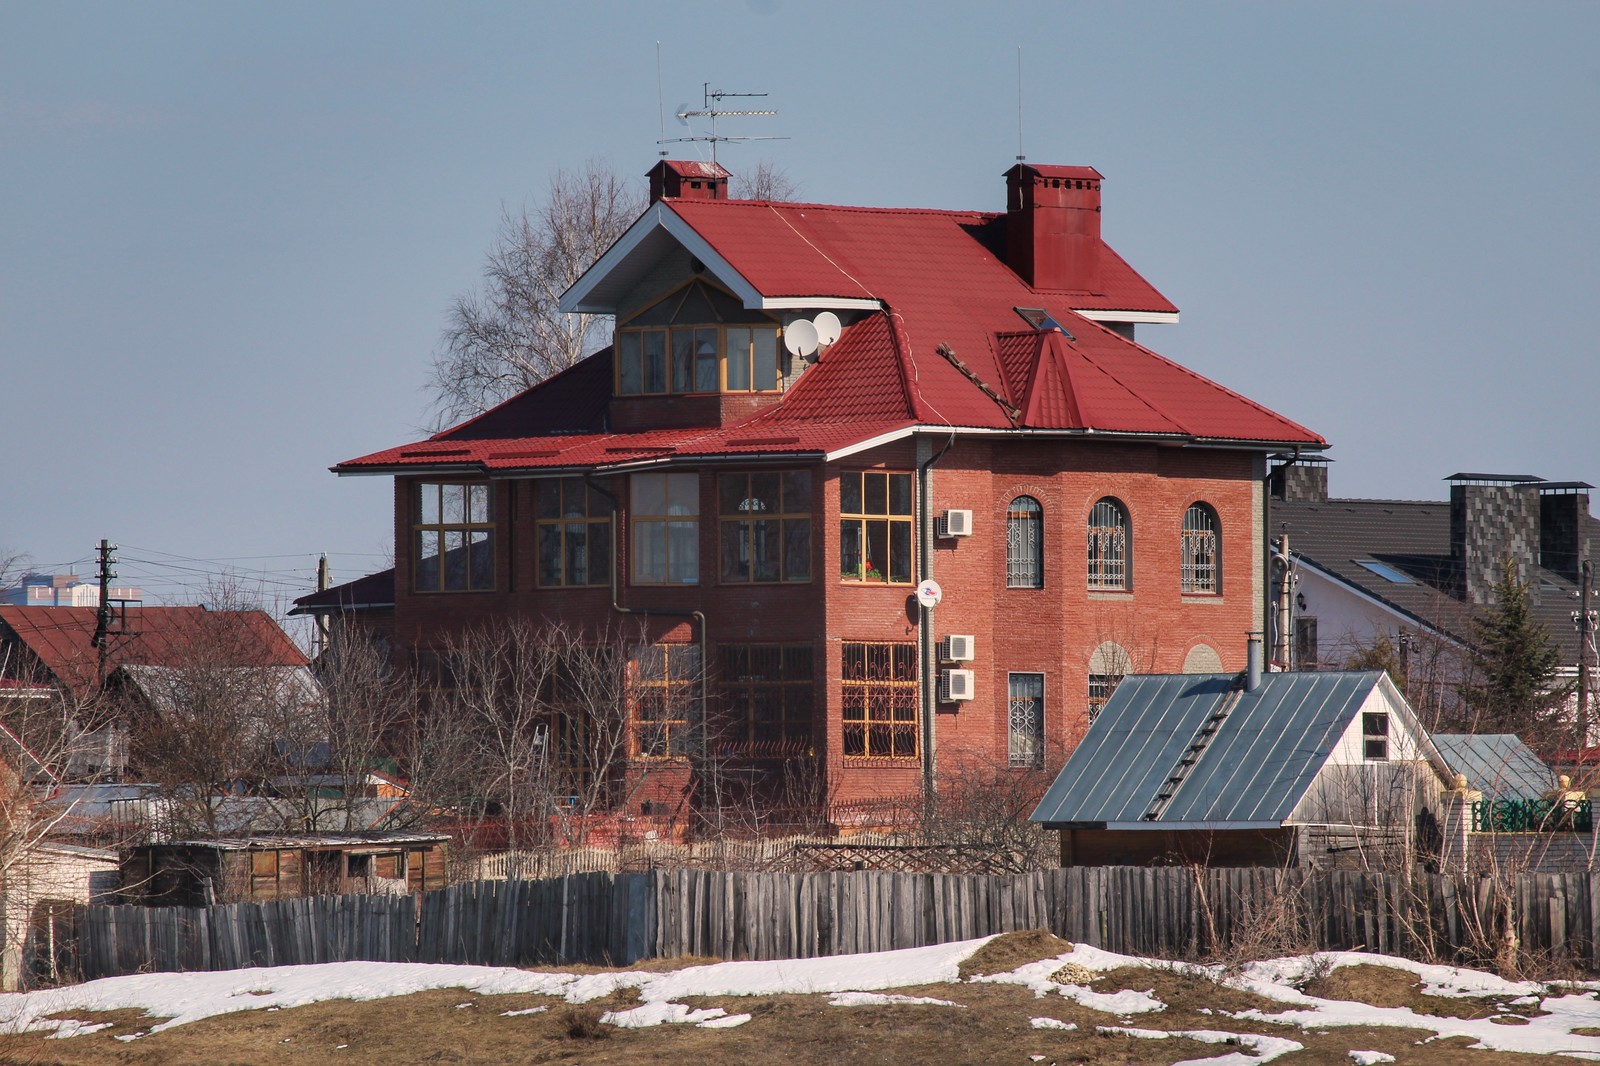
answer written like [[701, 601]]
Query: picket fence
[[604, 918]]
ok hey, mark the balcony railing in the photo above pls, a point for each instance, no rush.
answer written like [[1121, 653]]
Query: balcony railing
[[1532, 816]]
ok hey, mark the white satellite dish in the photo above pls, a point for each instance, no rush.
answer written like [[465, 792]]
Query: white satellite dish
[[828, 328], [800, 337], [929, 593]]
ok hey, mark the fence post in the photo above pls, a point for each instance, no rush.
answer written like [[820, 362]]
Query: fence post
[[1456, 825]]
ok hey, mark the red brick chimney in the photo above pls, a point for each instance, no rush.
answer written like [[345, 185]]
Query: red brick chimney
[[1053, 226], [686, 179]]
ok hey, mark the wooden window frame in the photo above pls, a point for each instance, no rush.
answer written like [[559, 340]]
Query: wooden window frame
[[681, 373], [663, 702], [769, 712], [737, 528], [558, 527], [435, 519], [898, 528], [881, 703], [638, 521]]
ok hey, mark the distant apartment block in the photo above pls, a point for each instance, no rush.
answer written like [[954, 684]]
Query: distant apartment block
[[63, 590]]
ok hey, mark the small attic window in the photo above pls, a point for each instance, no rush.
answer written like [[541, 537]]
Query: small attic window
[[1385, 571], [1375, 735], [1039, 318]]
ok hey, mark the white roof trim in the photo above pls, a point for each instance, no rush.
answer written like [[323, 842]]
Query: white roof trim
[[1096, 315], [660, 216], [1367, 597]]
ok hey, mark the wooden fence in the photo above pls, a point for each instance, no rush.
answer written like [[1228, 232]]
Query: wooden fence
[[606, 918]]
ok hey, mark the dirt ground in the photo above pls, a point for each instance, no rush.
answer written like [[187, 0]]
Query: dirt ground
[[991, 1024]]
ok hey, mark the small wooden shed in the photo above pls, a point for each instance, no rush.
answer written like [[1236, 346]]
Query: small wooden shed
[[231, 869]]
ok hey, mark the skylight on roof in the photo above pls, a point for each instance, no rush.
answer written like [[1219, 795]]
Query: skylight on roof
[[1385, 571], [1039, 318]]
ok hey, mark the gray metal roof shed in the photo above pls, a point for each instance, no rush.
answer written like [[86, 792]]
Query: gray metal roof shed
[[1499, 765]]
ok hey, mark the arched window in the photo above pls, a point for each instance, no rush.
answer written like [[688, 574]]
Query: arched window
[[1201, 560], [1107, 666], [1108, 546], [1025, 544]]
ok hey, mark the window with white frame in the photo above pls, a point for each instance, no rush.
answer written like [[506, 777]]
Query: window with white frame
[[664, 514], [1109, 546], [1025, 733], [1201, 559], [1024, 544]]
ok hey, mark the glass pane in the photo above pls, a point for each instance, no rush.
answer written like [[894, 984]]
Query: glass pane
[[877, 562], [547, 498], [738, 359], [900, 552], [875, 497], [649, 552], [682, 360], [454, 500], [764, 357], [850, 549], [849, 493], [572, 496], [599, 503], [705, 360], [683, 494], [477, 503], [599, 544], [428, 504], [731, 492], [628, 379], [455, 559], [764, 493], [765, 543], [481, 549], [899, 493], [427, 577], [655, 360], [550, 555], [649, 494], [683, 552], [797, 549], [577, 557], [797, 492], [735, 552]]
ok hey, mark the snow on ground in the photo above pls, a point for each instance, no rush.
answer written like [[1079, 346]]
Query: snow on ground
[[849, 981]]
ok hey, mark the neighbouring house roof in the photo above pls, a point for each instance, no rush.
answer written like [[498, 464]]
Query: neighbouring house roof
[[305, 840], [940, 344], [61, 639], [1499, 765], [374, 592], [1411, 538], [1251, 775]]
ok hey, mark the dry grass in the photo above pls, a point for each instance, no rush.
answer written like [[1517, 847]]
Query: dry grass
[[1010, 950], [1383, 986], [990, 1024]]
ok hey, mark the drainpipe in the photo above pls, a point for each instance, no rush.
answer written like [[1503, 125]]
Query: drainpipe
[[648, 612], [925, 639]]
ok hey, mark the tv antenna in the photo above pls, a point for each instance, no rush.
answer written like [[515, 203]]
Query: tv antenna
[[712, 108]]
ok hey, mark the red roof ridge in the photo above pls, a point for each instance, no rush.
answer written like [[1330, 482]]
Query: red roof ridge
[[854, 208]]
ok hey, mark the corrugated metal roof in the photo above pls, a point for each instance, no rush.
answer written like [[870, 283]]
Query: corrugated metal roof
[[1253, 771], [1499, 765]]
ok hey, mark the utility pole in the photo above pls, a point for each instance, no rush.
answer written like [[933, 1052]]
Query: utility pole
[[102, 615], [1584, 620], [324, 582]]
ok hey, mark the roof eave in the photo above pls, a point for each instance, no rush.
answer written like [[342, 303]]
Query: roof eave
[[1109, 315]]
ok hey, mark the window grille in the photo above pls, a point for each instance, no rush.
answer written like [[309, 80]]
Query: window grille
[[767, 689], [880, 701], [1026, 744], [1108, 545], [1025, 544], [1101, 686], [1201, 551]]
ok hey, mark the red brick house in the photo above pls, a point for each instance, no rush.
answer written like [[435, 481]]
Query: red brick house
[[808, 412]]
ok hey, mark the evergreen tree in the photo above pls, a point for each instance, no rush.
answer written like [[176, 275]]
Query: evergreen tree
[[1515, 668]]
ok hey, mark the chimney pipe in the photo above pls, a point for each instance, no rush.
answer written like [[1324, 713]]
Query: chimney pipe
[[1252, 661]]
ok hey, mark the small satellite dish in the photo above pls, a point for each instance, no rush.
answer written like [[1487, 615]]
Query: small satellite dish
[[828, 328], [800, 337], [929, 593]]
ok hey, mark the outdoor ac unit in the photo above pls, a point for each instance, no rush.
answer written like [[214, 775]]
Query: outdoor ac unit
[[955, 686], [954, 524], [960, 648]]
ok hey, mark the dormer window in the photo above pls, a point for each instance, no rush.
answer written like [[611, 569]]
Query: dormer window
[[698, 340]]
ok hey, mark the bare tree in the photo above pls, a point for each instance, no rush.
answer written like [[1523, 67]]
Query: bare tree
[[511, 334], [764, 181]]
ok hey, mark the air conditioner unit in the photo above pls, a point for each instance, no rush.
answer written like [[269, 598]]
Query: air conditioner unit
[[956, 686], [954, 524], [960, 648]]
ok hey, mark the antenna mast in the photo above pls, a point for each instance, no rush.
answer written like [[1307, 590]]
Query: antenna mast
[[1020, 156], [712, 108]]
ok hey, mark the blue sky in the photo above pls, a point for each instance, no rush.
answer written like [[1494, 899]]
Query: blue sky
[[229, 233]]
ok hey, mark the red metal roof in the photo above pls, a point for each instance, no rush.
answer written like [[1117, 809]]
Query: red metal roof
[[942, 283], [62, 639]]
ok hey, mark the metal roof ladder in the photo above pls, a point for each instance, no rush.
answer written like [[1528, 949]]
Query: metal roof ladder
[[1197, 747]]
